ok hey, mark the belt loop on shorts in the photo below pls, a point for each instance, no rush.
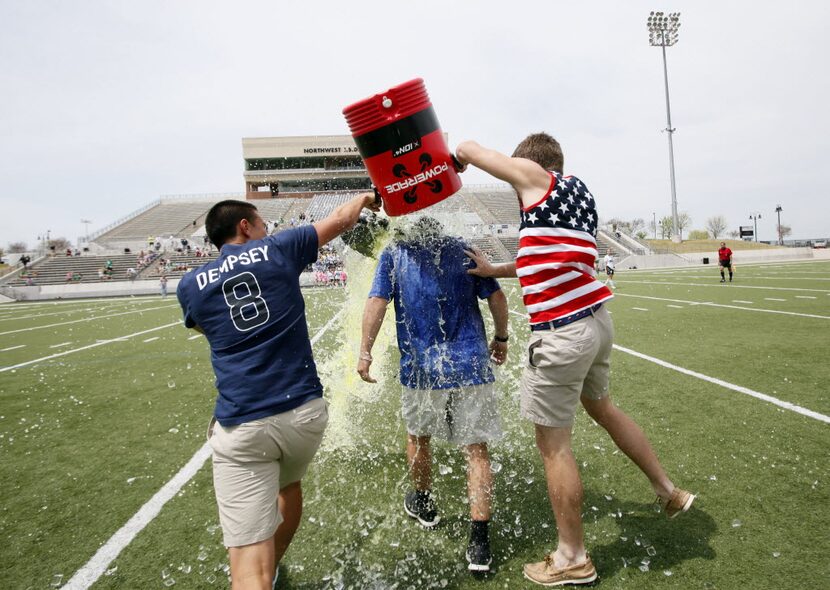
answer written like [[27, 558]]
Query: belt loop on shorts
[[561, 322]]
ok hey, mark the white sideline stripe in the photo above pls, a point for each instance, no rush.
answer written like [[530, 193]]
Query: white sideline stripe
[[61, 344], [100, 317], [89, 573], [150, 339], [773, 299], [727, 385], [194, 337], [732, 286], [675, 306], [710, 304], [13, 347], [741, 301], [804, 297], [98, 343]]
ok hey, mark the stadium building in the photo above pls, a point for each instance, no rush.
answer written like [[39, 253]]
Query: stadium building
[[293, 180]]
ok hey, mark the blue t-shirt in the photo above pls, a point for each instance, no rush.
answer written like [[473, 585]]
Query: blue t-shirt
[[440, 331], [249, 305]]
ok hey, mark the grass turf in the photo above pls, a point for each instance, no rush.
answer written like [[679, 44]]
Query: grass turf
[[88, 437]]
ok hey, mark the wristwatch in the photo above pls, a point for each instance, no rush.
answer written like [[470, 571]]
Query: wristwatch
[[498, 339]]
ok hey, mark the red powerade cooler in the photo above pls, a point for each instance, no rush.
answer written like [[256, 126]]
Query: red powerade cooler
[[398, 136]]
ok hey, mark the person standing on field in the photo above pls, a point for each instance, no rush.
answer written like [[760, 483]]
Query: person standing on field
[[270, 413], [569, 353]]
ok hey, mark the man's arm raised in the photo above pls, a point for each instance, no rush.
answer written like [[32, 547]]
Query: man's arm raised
[[344, 217], [530, 180]]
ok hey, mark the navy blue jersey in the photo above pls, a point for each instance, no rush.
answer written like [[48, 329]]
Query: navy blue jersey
[[439, 326], [249, 305]]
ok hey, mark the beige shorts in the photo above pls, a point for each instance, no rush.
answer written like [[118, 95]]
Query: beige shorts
[[564, 364], [462, 416], [253, 461]]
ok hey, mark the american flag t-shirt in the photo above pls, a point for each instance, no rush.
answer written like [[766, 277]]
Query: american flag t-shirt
[[557, 252]]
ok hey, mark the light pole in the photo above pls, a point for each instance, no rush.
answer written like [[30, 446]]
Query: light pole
[[654, 215], [755, 217], [662, 32], [778, 210], [86, 223]]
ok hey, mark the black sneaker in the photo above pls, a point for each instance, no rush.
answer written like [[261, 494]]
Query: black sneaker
[[421, 507], [479, 557]]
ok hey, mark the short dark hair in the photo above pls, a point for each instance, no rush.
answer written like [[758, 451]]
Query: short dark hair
[[224, 217], [542, 149]]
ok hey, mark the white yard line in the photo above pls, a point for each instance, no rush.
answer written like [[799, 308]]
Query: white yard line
[[61, 344], [773, 299], [722, 287], [727, 385], [675, 306], [639, 308], [13, 348], [710, 304], [805, 297], [87, 575], [741, 301], [100, 317], [150, 339], [12, 317], [98, 343], [722, 383], [194, 337]]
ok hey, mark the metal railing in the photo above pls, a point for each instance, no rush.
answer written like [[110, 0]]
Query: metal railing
[[124, 219]]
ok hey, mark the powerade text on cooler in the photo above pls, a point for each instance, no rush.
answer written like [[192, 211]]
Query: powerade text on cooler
[[403, 147]]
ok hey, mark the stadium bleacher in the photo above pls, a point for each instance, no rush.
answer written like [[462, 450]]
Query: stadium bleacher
[[165, 219], [54, 270]]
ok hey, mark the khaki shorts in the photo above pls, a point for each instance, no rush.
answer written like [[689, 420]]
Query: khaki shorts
[[564, 364], [253, 461], [462, 416]]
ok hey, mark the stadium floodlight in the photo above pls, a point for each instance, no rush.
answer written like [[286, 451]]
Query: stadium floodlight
[[86, 223], [778, 210], [662, 32], [755, 217]]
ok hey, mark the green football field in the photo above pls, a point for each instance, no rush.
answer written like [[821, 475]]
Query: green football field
[[105, 404]]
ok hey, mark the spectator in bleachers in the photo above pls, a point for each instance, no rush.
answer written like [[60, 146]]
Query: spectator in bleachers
[[163, 285], [25, 260], [131, 273], [150, 241], [69, 251], [109, 264]]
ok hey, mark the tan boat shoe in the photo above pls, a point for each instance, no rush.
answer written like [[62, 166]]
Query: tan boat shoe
[[679, 501], [546, 574]]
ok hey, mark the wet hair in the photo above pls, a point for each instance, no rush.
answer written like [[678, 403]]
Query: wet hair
[[542, 149], [224, 217]]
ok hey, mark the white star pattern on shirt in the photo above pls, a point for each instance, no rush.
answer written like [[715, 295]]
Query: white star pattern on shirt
[[569, 206]]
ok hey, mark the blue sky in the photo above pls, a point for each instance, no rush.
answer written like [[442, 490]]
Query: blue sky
[[107, 105]]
